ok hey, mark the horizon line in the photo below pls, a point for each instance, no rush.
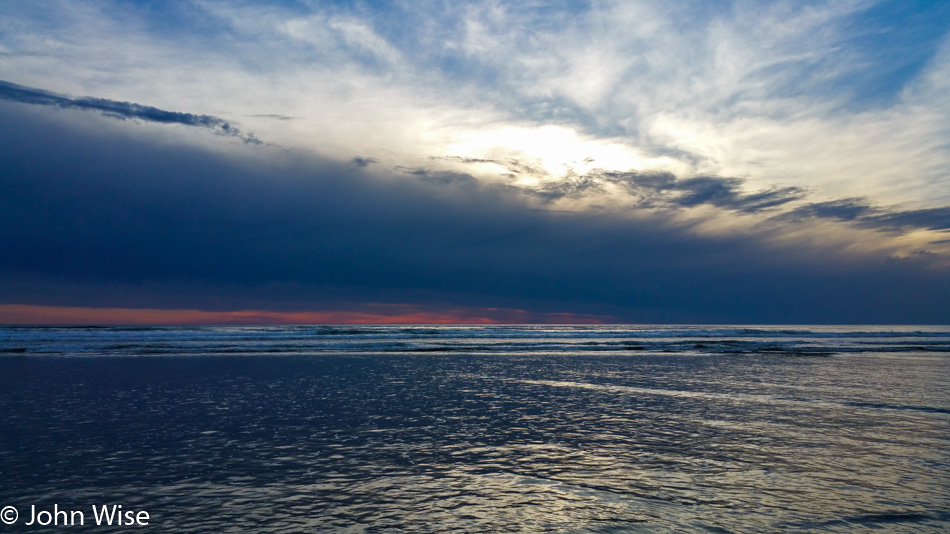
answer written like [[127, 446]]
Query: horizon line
[[42, 315], [30, 315]]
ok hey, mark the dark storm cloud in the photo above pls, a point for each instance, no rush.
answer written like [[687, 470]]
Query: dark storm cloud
[[724, 193], [848, 209], [663, 188], [933, 219], [120, 110], [115, 220], [862, 213], [363, 162]]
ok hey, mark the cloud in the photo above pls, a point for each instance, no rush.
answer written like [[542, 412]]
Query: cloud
[[649, 190], [363, 162], [121, 110], [850, 209], [799, 93], [934, 219], [862, 213], [275, 116], [712, 190], [643, 159], [811, 95], [168, 226], [665, 191]]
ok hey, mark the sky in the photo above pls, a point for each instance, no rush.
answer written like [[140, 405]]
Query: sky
[[203, 161]]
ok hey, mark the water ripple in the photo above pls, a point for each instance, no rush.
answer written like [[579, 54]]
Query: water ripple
[[522, 442]]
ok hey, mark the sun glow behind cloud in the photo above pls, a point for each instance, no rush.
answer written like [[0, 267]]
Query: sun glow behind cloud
[[554, 151]]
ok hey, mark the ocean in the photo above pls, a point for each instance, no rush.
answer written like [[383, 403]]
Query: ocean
[[475, 429]]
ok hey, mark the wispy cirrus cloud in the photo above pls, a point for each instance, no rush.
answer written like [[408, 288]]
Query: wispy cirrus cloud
[[775, 92], [804, 94]]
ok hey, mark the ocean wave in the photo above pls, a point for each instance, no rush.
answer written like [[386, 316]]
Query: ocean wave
[[309, 339]]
